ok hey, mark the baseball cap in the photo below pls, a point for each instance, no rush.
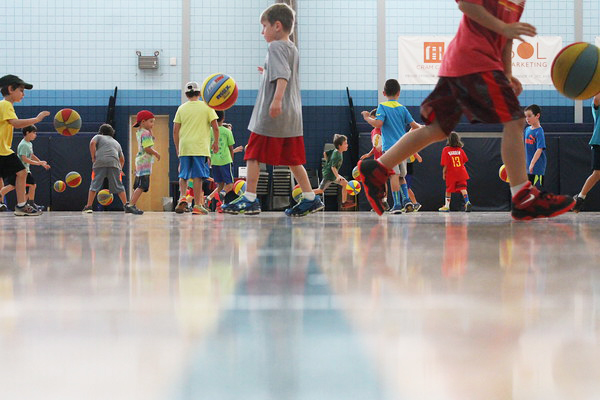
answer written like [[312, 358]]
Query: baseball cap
[[191, 87], [8, 80], [141, 116]]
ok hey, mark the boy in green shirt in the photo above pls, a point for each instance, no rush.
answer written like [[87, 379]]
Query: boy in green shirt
[[334, 159]]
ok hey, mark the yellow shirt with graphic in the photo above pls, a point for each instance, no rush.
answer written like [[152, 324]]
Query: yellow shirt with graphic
[[195, 132], [7, 112]]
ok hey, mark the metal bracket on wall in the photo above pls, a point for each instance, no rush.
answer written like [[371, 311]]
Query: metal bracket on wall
[[147, 62]]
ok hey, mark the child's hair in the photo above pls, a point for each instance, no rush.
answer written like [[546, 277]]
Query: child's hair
[[30, 128], [106, 129], [339, 140], [454, 140], [535, 109], [193, 93], [280, 12], [373, 113], [221, 115], [391, 87], [4, 89]]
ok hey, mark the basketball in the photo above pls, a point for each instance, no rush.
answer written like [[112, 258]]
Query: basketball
[[60, 186], [67, 122], [104, 197], [576, 71], [73, 179], [219, 91], [297, 193], [376, 140], [356, 173], [353, 188], [502, 173], [239, 187]]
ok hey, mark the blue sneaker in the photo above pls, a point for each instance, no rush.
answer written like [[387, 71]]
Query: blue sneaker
[[242, 205], [408, 207], [397, 209], [305, 207]]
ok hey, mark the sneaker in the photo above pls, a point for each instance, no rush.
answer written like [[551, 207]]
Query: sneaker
[[26, 210], [374, 176], [397, 209], [242, 205], [305, 207], [87, 210], [199, 210], [408, 207], [578, 203], [468, 206], [530, 203], [129, 209], [444, 209], [348, 204], [386, 206], [417, 207], [181, 206], [3, 207]]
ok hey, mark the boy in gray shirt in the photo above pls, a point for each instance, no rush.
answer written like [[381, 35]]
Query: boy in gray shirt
[[276, 122], [107, 156]]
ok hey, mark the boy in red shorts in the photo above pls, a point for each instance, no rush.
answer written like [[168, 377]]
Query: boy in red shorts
[[476, 80], [276, 136]]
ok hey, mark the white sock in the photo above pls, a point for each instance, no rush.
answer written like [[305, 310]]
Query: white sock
[[582, 196], [310, 196], [250, 196], [515, 189], [21, 204]]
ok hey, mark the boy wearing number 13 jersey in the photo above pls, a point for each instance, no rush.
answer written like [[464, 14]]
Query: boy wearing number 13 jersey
[[454, 173]]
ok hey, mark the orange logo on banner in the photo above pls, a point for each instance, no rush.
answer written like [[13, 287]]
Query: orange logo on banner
[[433, 52]]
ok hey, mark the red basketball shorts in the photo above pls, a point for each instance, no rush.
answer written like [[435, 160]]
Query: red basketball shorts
[[276, 151], [455, 186]]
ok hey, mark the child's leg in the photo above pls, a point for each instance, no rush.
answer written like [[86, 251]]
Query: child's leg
[[411, 143], [90, 200], [447, 196], [411, 196], [182, 188], [121, 195], [6, 190], [136, 196], [252, 174], [302, 179], [465, 195], [513, 154], [198, 191], [344, 192], [395, 186], [20, 186], [587, 186], [31, 192]]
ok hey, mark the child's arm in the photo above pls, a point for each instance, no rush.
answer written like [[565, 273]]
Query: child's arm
[[375, 123], [418, 157], [176, 127], [231, 151], [414, 125], [275, 108], [215, 128], [597, 100], [35, 161], [483, 17], [238, 149], [93, 150], [444, 173], [369, 154], [150, 150], [536, 156], [122, 160], [22, 123]]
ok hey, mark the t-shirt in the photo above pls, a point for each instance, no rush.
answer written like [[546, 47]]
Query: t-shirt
[[334, 159], [143, 160], [108, 152], [195, 132], [223, 156], [7, 112], [25, 148], [454, 159], [596, 114], [534, 139], [282, 62], [376, 152], [478, 49], [395, 117]]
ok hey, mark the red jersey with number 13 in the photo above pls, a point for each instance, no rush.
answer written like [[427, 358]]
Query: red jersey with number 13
[[454, 159]]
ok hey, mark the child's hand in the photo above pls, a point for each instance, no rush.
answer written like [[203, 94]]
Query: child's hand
[[215, 147], [45, 165], [531, 169], [157, 157], [260, 70], [42, 115], [275, 109], [516, 85], [516, 29], [238, 149], [365, 114], [228, 126], [363, 156], [342, 180]]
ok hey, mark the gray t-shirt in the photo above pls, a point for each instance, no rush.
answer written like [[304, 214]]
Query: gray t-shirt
[[108, 151], [282, 61]]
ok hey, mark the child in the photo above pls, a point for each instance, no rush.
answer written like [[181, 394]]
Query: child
[[392, 118], [221, 162], [13, 89], [454, 173], [476, 79], [191, 134], [25, 154], [376, 152], [276, 131], [409, 173], [595, 144], [108, 161], [145, 155], [535, 146], [334, 159]]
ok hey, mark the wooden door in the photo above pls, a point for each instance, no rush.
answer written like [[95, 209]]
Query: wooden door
[[159, 180]]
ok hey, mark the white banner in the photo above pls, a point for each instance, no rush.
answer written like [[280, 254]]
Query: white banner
[[420, 57], [598, 41]]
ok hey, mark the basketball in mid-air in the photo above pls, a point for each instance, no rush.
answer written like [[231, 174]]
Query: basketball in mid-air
[[353, 188], [239, 187], [67, 122], [104, 197], [576, 71], [502, 173], [219, 91], [297, 193], [73, 179]]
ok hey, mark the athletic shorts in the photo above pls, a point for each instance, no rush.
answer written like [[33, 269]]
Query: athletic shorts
[[275, 150], [142, 182], [400, 169], [483, 97], [222, 173], [325, 183], [455, 186], [114, 179], [10, 165], [193, 167], [595, 157], [536, 180], [11, 180]]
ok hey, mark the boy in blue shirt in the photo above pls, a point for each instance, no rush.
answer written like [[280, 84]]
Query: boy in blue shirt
[[392, 118], [595, 144], [535, 146]]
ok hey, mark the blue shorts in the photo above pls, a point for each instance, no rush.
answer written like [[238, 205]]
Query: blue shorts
[[222, 173], [193, 167]]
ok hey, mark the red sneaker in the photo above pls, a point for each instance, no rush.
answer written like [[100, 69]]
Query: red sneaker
[[348, 204], [530, 203], [374, 175]]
